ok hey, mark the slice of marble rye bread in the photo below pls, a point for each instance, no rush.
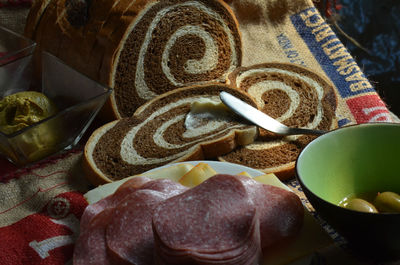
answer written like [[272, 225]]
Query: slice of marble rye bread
[[143, 48], [293, 95], [170, 44], [162, 132]]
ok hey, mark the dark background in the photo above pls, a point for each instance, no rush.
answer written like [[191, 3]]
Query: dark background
[[370, 29]]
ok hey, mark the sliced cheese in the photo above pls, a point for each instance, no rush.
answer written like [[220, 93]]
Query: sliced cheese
[[244, 173], [271, 179], [197, 175]]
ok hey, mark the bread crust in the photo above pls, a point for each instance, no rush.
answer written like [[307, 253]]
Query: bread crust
[[92, 173], [112, 49], [33, 19], [100, 58], [48, 35], [78, 42], [38, 35], [105, 41]]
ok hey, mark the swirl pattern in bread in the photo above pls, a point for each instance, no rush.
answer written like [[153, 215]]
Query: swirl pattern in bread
[[293, 95], [172, 44], [141, 48], [158, 133]]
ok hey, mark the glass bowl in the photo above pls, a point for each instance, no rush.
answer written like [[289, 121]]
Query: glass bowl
[[77, 98], [15, 56], [13, 46]]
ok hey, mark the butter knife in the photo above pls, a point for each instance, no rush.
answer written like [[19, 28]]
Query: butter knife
[[261, 119]]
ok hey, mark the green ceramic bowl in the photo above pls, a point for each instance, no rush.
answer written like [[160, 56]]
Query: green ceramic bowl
[[352, 160]]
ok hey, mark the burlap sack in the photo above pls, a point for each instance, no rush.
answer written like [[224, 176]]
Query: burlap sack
[[41, 205], [13, 17], [40, 211], [294, 31]]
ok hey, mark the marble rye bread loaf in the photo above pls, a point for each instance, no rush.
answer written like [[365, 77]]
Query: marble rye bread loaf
[[293, 95], [162, 132], [35, 14], [140, 48]]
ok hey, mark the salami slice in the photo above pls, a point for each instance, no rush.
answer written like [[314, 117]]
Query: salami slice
[[90, 247], [281, 215], [110, 201], [94, 209], [247, 253], [133, 183], [129, 235], [167, 186], [281, 212], [212, 223]]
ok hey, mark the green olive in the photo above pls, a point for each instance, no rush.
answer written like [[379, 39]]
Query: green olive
[[387, 202], [360, 205]]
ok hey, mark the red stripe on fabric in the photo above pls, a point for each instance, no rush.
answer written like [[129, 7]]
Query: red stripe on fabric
[[55, 186], [40, 190], [9, 171], [369, 108], [20, 203]]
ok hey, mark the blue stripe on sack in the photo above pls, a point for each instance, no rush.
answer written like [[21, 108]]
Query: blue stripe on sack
[[343, 122], [331, 54]]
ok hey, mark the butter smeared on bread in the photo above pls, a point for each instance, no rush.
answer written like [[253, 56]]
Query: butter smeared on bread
[[294, 96], [156, 135]]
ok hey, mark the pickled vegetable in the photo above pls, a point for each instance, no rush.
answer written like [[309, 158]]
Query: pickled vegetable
[[387, 202], [360, 205]]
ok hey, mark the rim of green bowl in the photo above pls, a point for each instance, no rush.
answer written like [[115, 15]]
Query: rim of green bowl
[[335, 131]]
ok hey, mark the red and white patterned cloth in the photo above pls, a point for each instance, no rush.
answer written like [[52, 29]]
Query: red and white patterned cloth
[[40, 210]]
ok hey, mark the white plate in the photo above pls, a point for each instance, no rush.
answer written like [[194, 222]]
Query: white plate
[[222, 167], [311, 237], [100, 192]]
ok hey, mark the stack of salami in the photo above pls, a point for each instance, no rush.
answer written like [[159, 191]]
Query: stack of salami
[[225, 220], [212, 223]]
